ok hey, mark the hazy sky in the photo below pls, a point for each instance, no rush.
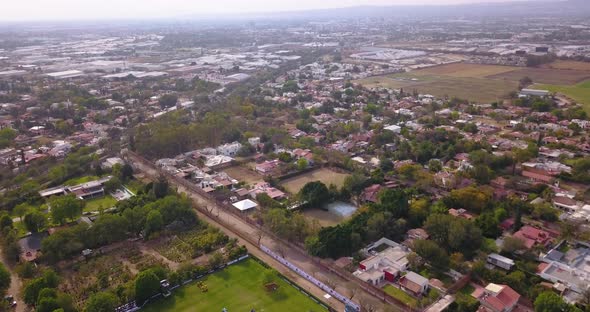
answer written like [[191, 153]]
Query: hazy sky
[[11, 10]]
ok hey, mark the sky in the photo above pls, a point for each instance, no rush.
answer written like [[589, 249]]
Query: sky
[[19, 10]]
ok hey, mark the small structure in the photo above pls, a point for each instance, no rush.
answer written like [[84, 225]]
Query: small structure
[[245, 205], [414, 283], [501, 261], [31, 246], [533, 92]]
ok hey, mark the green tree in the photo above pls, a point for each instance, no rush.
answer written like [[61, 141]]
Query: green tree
[[4, 279], [168, 100], [101, 302], [34, 221], [67, 207], [147, 284], [315, 193], [432, 252], [154, 222], [550, 302], [302, 164]]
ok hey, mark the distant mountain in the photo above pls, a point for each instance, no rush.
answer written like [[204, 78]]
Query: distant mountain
[[573, 8]]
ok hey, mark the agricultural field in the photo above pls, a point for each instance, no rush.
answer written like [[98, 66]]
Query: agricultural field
[[240, 287], [484, 83], [325, 175], [579, 92], [559, 64]]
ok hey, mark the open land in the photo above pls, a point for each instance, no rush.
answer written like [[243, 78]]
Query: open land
[[239, 287], [242, 173], [579, 92], [325, 175], [485, 83]]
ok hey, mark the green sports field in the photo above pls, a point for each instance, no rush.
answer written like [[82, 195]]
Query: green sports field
[[239, 287]]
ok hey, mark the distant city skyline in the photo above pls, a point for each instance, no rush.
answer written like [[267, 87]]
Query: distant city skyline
[[27, 10]]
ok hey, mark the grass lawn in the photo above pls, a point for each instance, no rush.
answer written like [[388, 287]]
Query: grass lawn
[[98, 203], [579, 92], [134, 186], [80, 180], [239, 287], [401, 295]]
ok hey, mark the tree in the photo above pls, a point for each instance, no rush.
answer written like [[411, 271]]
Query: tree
[[168, 100], [315, 194], [101, 302], [550, 302], [147, 284], [4, 279], [512, 244], [34, 221], [215, 260], [153, 223], [160, 187], [432, 252], [20, 210], [302, 164], [5, 221], [65, 207]]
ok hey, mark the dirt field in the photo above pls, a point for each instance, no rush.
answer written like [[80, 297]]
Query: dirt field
[[465, 70], [242, 173], [325, 175], [546, 75]]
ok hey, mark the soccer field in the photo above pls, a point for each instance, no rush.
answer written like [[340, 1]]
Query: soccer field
[[239, 287]]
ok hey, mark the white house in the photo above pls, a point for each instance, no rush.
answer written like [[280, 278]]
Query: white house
[[229, 149]]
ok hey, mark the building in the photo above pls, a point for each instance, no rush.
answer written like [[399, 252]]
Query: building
[[267, 167], [533, 92], [229, 149], [533, 236], [500, 261], [569, 269], [414, 283], [86, 190], [498, 298], [386, 265]]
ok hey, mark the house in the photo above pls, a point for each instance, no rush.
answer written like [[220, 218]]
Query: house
[[532, 236], [498, 298], [386, 265], [414, 283], [229, 149], [112, 161], [461, 213], [569, 269], [500, 261], [268, 166], [537, 177], [566, 204], [265, 188], [86, 190]]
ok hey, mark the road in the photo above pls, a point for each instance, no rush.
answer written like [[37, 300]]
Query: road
[[247, 234]]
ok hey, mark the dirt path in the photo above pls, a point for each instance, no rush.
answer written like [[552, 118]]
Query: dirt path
[[15, 286]]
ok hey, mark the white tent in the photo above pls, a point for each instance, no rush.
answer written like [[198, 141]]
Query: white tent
[[245, 204]]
